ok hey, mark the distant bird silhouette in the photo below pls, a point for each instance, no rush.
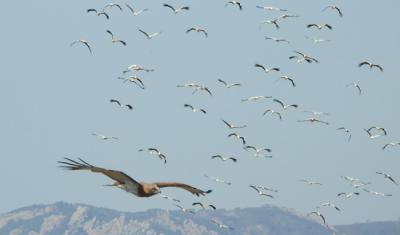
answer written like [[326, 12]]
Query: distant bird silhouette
[[258, 151], [84, 42], [273, 112], [105, 137], [370, 65], [98, 13], [184, 209], [232, 126], [377, 193], [310, 182], [255, 98], [237, 3], [224, 158], [228, 85], [348, 195], [313, 120], [169, 197], [154, 151], [261, 193], [333, 7], [277, 39], [176, 10], [356, 86], [149, 36], [319, 26], [317, 40], [317, 213], [284, 106], [236, 135], [390, 144], [199, 30], [121, 105], [218, 180], [286, 78], [267, 70], [114, 40], [328, 204], [270, 8], [204, 206], [221, 225], [387, 176], [346, 131], [111, 5], [134, 12], [194, 109]]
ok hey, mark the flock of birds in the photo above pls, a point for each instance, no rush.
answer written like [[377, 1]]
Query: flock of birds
[[142, 189]]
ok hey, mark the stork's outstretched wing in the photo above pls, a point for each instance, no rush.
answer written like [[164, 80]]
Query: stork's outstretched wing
[[118, 176], [189, 188]]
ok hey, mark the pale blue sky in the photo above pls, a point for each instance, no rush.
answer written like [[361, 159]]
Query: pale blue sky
[[55, 96]]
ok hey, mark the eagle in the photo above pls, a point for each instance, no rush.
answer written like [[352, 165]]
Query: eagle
[[126, 183]]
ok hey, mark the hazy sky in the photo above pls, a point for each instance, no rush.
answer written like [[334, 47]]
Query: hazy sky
[[54, 96]]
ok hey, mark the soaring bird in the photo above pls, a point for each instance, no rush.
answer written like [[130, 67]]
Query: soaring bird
[[224, 158], [176, 10], [135, 80], [284, 106], [237, 3], [284, 16], [353, 84], [313, 120], [126, 183], [348, 195], [111, 5], [387, 176], [184, 209], [134, 12], [121, 105], [236, 135], [274, 22], [370, 65], [390, 144], [318, 214], [333, 7], [377, 193], [261, 193], [316, 113], [218, 180], [156, 152], [194, 109], [221, 225], [277, 39], [310, 182], [82, 41], [136, 67], [263, 188], [232, 126], [346, 131], [306, 57], [202, 88], [98, 13], [257, 97], [278, 114], [319, 26], [149, 36], [267, 70], [114, 40], [227, 85], [287, 78], [169, 197], [199, 30], [105, 137], [328, 204], [271, 8], [258, 151], [204, 206], [317, 40]]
